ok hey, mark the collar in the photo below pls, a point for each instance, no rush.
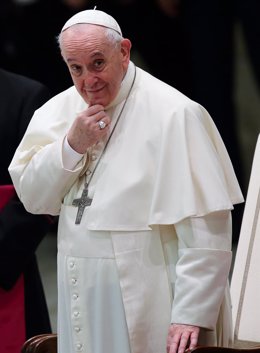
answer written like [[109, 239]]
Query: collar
[[125, 86]]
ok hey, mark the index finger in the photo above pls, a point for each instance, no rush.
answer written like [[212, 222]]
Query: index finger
[[96, 108]]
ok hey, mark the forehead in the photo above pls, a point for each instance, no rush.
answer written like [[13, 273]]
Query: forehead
[[85, 37]]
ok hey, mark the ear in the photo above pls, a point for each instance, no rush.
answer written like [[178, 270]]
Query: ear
[[125, 50]]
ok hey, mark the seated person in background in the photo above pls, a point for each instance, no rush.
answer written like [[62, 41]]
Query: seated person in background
[[23, 309]]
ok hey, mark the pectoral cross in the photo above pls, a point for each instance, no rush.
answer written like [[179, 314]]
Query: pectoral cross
[[81, 203]]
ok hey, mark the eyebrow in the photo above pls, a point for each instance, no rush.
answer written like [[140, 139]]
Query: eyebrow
[[98, 53]]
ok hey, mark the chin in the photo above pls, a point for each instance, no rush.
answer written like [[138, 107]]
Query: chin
[[101, 101], [93, 100]]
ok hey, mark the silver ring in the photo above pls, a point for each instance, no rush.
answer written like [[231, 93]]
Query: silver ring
[[102, 124]]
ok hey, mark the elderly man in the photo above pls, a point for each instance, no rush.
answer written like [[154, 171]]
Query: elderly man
[[144, 189]]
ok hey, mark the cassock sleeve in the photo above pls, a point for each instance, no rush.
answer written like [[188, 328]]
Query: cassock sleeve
[[202, 269], [69, 156], [44, 163]]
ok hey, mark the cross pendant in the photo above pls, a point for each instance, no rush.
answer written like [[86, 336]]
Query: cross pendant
[[81, 203]]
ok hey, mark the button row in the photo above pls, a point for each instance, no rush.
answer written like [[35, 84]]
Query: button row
[[73, 274]]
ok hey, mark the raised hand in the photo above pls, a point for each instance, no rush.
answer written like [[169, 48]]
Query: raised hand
[[86, 130]]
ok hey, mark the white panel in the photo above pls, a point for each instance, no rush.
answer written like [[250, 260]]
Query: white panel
[[245, 283]]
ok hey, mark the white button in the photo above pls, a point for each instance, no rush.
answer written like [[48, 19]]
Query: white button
[[76, 329], [79, 346], [76, 313], [72, 264], [88, 172], [75, 296], [73, 280], [93, 157]]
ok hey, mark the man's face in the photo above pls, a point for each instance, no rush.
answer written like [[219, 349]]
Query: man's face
[[97, 66]]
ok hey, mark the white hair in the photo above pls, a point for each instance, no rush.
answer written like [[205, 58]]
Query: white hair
[[113, 36]]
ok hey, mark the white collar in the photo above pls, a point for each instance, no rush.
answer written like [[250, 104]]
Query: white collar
[[125, 86]]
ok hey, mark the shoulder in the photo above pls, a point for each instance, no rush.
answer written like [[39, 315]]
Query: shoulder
[[67, 99], [24, 90], [164, 102], [53, 118], [160, 93], [18, 81], [60, 109]]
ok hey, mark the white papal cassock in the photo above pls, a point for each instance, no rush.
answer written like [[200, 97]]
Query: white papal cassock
[[154, 247]]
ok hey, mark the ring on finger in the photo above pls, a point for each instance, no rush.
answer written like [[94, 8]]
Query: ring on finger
[[102, 124]]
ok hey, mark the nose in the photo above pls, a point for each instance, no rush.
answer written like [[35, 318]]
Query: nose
[[90, 79]]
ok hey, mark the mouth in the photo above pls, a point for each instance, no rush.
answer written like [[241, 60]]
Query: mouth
[[96, 90]]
